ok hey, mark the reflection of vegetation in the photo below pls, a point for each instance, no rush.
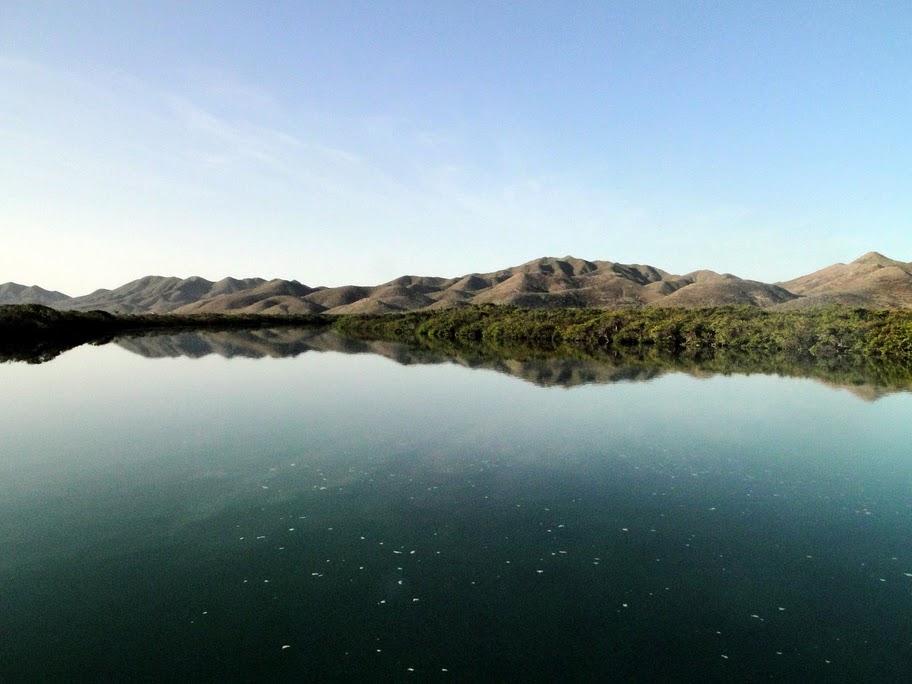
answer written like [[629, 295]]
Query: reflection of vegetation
[[643, 362], [829, 332], [36, 333], [851, 347]]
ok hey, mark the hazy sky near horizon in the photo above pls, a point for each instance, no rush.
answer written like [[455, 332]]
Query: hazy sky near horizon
[[353, 142]]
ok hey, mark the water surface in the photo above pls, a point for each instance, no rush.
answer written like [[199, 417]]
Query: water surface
[[342, 516]]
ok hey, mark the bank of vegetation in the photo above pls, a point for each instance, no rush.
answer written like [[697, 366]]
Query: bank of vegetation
[[830, 333], [36, 333], [823, 333]]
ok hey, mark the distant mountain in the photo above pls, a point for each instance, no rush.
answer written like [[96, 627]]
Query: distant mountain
[[872, 281], [13, 293], [272, 297], [157, 294]]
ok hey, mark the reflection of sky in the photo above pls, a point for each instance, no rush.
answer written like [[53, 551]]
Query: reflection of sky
[[95, 408]]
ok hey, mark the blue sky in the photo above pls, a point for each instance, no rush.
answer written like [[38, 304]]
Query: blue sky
[[353, 142]]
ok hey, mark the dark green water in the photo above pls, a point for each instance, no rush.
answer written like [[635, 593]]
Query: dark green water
[[343, 517]]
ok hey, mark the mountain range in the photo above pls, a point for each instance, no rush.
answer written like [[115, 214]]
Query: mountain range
[[871, 281]]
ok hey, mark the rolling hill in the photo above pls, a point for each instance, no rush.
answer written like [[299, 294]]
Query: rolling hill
[[872, 281]]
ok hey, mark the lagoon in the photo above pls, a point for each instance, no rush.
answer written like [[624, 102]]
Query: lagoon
[[203, 507]]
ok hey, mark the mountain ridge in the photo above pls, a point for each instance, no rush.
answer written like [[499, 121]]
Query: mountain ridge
[[871, 281]]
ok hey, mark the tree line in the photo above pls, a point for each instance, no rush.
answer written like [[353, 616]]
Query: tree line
[[826, 332]]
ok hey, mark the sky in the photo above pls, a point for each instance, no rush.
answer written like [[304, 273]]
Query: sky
[[353, 142]]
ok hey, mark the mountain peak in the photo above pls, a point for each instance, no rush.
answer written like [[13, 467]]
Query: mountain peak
[[876, 259]]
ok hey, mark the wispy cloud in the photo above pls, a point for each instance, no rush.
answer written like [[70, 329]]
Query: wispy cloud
[[216, 140]]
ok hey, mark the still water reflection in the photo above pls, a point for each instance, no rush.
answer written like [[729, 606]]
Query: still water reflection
[[312, 514]]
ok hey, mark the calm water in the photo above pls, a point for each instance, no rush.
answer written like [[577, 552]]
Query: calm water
[[340, 516]]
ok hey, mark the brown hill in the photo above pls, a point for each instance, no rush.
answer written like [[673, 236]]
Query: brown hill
[[157, 294], [872, 281], [13, 293], [273, 296], [725, 291]]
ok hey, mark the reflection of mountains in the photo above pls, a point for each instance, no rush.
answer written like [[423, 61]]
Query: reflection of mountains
[[252, 344], [543, 368], [290, 342]]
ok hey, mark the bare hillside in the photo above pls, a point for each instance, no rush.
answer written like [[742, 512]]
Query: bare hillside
[[872, 281]]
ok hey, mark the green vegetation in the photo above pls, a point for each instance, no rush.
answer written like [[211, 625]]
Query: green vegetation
[[36, 333], [839, 344], [823, 333], [856, 348]]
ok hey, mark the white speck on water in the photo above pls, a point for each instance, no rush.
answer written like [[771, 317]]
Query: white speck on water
[[625, 605], [414, 600], [539, 571], [725, 656], [624, 529], [781, 608], [286, 646]]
